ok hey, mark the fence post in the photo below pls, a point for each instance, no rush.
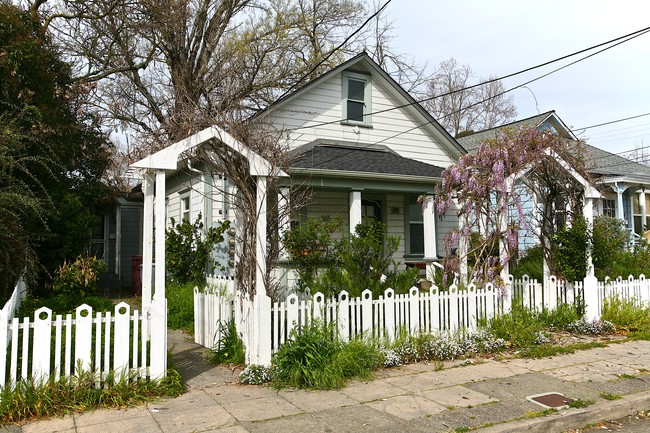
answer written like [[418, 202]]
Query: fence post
[[4, 329], [262, 328], [42, 345], [83, 337], [343, 316], [366, 312], [158, 354], [414, 310], [590, 290], [121, 339]]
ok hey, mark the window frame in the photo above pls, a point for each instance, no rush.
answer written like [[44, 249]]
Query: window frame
[[185, 212], [347, 76], [408, 202]]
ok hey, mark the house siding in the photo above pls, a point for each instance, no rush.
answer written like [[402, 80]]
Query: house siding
[[397, 128]]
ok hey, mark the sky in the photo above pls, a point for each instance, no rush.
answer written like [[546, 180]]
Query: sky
[[501, 37]]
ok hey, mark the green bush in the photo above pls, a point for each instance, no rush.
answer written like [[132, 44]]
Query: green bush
[[626, 315], [79, 278], [561, 318], [353, 263], [314, 358], [188, 248], [569, 252], [521, 327], [531, 264]]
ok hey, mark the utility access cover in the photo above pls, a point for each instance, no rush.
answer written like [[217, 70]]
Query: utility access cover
[[550, 400]]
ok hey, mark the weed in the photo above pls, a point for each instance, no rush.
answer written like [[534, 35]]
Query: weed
[[580, 404], [28, 400], [547, 350], [540, 413], [626, 376], [610, 397], [462, 429], [257, 375], [230, 347]]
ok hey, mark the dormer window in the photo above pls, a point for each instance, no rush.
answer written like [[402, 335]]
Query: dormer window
[[356, 99]]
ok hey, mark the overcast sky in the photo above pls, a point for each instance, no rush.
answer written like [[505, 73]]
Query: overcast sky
[[501, 37]]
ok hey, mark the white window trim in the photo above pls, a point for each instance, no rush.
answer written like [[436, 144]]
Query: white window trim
[[183, 210], [367, 95]]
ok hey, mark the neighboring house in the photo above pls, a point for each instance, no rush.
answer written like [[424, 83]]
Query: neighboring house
[[116, 237], [622, 182], [357, 139]]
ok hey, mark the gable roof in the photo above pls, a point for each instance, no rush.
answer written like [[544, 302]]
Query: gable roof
[[601, 161], [364, 61], [362, 160]]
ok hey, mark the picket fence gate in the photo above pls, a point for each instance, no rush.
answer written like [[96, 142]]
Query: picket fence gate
[[416, 312], [123, 343]]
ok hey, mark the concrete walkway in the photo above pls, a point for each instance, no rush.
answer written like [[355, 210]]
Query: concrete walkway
[[485, 395]]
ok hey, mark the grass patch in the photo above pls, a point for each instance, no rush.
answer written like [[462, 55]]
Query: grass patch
[[230, 348], [462, 429], [581, 404], [610, 397], [28, 401], [546, 350], [180, 306], [539, 413]]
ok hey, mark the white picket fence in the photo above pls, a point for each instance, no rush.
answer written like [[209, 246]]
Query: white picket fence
[[417, 311], [13, 304], [125, 343]]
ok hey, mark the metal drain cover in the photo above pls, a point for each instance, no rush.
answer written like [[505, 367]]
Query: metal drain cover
[[550, 400]]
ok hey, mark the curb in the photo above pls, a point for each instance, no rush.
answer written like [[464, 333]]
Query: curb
[[577, 418]]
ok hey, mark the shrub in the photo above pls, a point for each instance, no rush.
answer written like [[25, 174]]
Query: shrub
[[187, 250], [520, 327], [314, 358], [79, 278], [561, 318], [625, 314], [531, 264]]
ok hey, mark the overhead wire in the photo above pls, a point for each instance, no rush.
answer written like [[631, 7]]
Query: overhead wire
[[618, 41]]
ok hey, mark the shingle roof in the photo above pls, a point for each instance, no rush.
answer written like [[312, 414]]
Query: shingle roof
[[607, 163], [362, 160], [601, 161], [472, 142]]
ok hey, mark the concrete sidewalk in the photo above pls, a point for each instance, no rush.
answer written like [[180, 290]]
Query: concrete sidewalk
[[488, 395]]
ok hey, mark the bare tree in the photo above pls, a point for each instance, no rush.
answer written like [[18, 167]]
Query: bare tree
[[459, 108]]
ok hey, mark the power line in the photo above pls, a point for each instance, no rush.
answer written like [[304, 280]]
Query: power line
[[331, 53], [612, 121], [622, 39], [619, 41]]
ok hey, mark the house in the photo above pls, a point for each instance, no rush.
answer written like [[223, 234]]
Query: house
[[622, 182], [116, 238], [357, 140]]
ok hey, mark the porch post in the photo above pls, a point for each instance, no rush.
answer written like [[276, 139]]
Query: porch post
[[284, 220], [643, 211], [462, 252], [159, 284], [147, 240], [503, 241], [261, 351], [590, 282], [355, 210], [620, 214], [430, 247]]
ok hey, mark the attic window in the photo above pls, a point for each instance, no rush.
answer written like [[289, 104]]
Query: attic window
[[356, 99]]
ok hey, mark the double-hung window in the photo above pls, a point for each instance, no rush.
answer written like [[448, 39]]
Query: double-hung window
[[415, 228], [356, 99], [185, 207]]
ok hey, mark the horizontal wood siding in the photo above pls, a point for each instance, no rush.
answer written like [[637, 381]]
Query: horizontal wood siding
[[395, 223], [330, 203], [397, 129]]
